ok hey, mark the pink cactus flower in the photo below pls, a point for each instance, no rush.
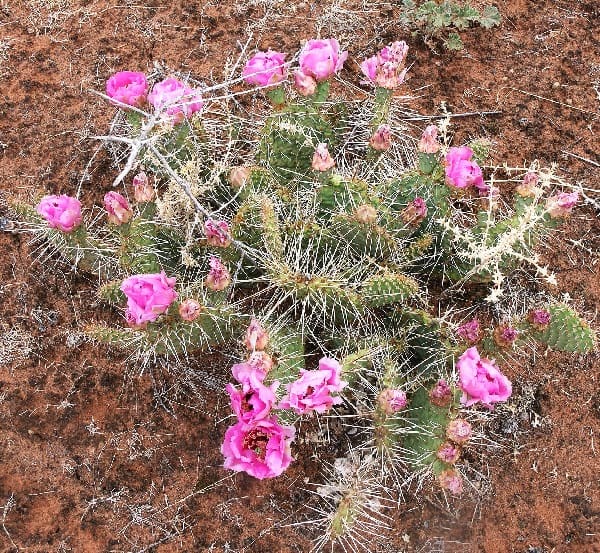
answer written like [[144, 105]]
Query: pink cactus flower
[[528, 188], [470, 331], [387, 68], [265, 68], [539, 318], [365, 214], [321, 59], [312, 391], [148, 296], [254, 400], [561, 204], [243, 371], [256, 337], [481, 381], [452, 481], [118, 208], [305, 84], [381, 139], [392, 400], [459, 431], [176, 99], [217, 233], [461, 171], [428, 144], [218, 277], [505, 335], [261, 448], [448, 452], [143, 191], [441, 394], [189, 310], [61, 212], [322, 160], [261, 361], [128, 87], [414, 213]]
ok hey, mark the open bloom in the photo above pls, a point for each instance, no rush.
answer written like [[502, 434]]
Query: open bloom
[[392, 400], [481, 381], [312, 391], [143, 191], [461, 170], [117, 207], [459, 431], [256, 337], [176, 99], [470, 331], [452, 481], [148, 296], [217, 233], [262, 448], [428, 143], [189, 310], [561, 204], [414, 213], [381, 139], [322, 160], [128, 87], [218, 277], [242, 371], [62, 212], [321, 59], [387, 68], [305, 84], [254, 400], [441, 394], [265, 68]]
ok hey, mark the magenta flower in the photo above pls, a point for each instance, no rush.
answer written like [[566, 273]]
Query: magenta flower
[[459, 431], [148, 296], [189, 310], [254, 400], [414, 213], [539, 318], [305, 84], [61, 212], [117, 207], [428, 144], [242, 372], [322, 160], [448, 452], [312, 391], [143, 191], [441, 394], [470, 331], [387, 68], [528, 188], [381, 139], [505, 335], [176, 99], [392, 400], [321, 59], [481, 381], [561, 204], [217, 233], [128, 87], [218, 277], [461, 170], [452, 481], [256, 337], [265, 68], [261, 448]]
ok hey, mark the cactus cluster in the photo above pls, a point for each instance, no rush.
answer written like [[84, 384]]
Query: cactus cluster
[[312, 242]]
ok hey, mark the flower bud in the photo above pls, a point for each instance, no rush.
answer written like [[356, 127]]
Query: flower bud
[[414, 213], [117, 208], [305, 84], [256, 336], [505, 335], [217, 233], [261, 361], [459, 431], [218, 277], [322, 160], [143, 191], [381, 139], [470, 331], [189, 310], [428, 144], [365, 214], [539, 318], [392, 400], [561, 204], [441, 394], [238, 176], [448, 452], [528, 188], [452, 481]]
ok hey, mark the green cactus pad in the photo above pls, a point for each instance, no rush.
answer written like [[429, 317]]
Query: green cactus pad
[[567, 331], [387, 288]]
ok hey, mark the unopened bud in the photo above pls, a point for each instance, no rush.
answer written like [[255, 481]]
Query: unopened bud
[[189, 310], [322, 160], [238, 176], [256, 336]]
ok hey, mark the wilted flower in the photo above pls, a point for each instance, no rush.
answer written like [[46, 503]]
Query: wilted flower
[[305, 84], [261, 361], [561, 204], [428, 144], [143, 191], [481, 381], [127, 87], [470, 331], [256, 337], [312, 391], [254, 400], [414, 213], [381, 139], [450, 480], [459, 431], [322, 160], [261, 448], [505, 335], [441, 394], [189, 310], [148, 296], [176, 99], [238, 176], [62, 212], [365, 214], [392, 400], [387, 68], [321, 59], [117, 207], [461, 170], [265, 68], [218, 277], [528, 188], [217, 233], [448, 452], [539, 318]]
